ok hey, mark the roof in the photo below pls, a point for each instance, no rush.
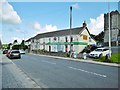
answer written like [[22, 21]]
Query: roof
[[29, 39], [64, 32], [60, 33]]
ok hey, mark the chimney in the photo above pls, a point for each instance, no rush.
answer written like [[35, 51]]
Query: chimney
[[84, 24]]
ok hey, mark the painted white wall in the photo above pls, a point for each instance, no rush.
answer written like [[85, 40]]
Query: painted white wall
[[56, 48], [78, 48]]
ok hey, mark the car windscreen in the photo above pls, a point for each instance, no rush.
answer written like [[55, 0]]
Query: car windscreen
[[15, 52], [98, 50]]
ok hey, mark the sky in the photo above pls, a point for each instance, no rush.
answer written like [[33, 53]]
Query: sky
[[23, 20]]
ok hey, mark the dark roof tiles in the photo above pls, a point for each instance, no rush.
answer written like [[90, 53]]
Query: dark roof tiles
[[59, 33]]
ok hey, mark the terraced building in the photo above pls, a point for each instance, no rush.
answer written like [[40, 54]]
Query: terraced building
[[60, 40]]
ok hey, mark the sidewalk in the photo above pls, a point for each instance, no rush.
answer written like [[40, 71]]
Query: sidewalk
[[81, 60]]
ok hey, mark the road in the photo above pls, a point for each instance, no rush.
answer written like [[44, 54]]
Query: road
[[12, 77], [48, 72]]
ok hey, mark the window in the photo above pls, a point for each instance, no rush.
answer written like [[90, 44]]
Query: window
[[55, 38], [58, 39], [66, 39], [105, 49], [85, 37], [71, 39], [89, 39]]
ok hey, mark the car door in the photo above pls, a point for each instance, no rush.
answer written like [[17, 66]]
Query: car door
[[105, 52]]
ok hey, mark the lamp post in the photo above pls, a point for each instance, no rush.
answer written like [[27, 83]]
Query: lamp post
[[70, 28], [109, 29]]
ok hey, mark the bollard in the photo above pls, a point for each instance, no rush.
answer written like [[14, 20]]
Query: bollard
[[85, 55]]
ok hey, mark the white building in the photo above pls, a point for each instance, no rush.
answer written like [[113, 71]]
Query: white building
[[60, 40]]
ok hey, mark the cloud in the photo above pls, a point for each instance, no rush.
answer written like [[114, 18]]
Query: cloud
[[96, 25], [76, 6], [36, 26], [50, 28], [7, 13], [47, 28]]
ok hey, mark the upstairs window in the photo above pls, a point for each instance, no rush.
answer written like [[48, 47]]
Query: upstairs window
[[85, 37], [66, 39], [89, 39]]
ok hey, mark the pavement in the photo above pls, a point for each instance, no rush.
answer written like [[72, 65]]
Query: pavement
[[81, 60]]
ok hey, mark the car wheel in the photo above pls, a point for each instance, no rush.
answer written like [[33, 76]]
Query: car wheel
[[100, 55], [19, 57]]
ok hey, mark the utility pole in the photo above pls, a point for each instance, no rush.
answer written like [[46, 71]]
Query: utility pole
[[109, 29], [70, 28]]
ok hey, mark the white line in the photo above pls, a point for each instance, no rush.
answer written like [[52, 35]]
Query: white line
[[48, 62], [89, 72]]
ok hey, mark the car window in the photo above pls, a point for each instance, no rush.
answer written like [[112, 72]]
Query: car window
[[105, 49], [15, 52], [98, 50]]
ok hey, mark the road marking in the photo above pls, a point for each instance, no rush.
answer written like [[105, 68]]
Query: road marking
[[88, 72], [48, 62]]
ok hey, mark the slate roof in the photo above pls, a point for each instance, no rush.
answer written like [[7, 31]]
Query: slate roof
[[64, 32], [59, 33]]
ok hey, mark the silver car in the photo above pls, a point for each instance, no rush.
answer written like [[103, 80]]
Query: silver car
[[14, 54]]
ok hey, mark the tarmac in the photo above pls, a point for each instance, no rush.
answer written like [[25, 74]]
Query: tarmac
[[81, 60]]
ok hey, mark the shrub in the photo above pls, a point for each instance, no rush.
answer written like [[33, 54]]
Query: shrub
[[16, 47]]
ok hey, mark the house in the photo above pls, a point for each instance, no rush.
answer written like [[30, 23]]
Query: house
[[60, 40]]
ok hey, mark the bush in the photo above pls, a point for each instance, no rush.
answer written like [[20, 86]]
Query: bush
[[67, 54], [16, 47]]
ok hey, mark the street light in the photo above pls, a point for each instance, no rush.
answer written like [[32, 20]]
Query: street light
[[70, 26], [70, 29], [109, 29]]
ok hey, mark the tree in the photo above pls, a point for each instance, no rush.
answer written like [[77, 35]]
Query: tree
[[16, 47], [0, 44], [15, 41], [22, 44], [99, 37], [9, 45]]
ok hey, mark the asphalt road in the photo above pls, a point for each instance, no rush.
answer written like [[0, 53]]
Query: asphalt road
[[12, 77], [48, 72]]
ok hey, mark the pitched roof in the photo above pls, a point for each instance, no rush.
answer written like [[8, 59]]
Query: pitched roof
[[64, 32], [59, 33]]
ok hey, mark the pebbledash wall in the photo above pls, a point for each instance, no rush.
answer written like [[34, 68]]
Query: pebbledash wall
[[60, 40]]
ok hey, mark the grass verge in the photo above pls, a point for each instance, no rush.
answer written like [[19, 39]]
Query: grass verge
[[115, 58]]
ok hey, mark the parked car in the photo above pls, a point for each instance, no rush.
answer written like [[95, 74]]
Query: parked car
[[99, 52], [8, 53], [5, 51], [22, 51], [14, 54], [89, 48]]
